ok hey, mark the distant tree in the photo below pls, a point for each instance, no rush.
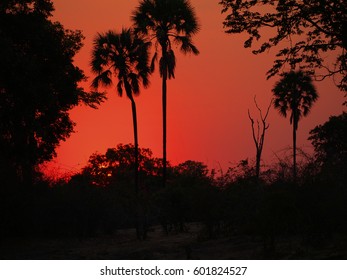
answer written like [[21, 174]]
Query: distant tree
[[38, 87], [294, 93], [192, 168], [309, 28], [98, 170], [124, 55], [259, 135], [167, 22], [192, 172], [117, 165], [330, 144]]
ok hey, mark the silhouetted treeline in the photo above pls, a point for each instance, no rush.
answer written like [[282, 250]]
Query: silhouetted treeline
[[100, 200]]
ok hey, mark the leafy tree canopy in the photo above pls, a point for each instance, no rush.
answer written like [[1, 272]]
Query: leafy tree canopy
[[193, 169], [117, 164], [38, 85], [190, 173], [330, 142], [303, 29]]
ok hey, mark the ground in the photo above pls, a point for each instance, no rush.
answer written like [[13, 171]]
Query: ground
[[192, 244]]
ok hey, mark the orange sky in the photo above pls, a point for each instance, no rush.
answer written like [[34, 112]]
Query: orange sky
[[207, 102]]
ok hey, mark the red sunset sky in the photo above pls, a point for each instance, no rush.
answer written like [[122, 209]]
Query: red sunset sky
[[207, 102]]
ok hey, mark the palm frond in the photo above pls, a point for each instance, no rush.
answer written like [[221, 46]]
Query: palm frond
[[142, 17], [186, 44], [145, 79], [134, 82], [188, 23], [103, 79], [171, 64], [154, 60], [120, 87]]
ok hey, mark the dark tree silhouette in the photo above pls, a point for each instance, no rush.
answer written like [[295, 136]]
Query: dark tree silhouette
[[294, 93], [330, 144], [167, 22], [38, 87], [192, 168], [311, 27], [116, 165], [259, 135], [124, 55]]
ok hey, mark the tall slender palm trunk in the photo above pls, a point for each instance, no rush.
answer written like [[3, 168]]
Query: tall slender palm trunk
[[164, 105], [164, 100], [140, 231], [136, 143]]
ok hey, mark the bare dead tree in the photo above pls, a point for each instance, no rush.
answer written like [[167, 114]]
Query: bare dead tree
[[259, 133]]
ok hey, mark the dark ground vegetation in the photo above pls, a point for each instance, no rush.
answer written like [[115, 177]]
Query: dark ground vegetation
[[199, 215]]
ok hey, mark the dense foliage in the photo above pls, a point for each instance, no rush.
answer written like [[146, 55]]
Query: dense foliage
[[38, 86], [308, 214], [302, 30], [330, 144]]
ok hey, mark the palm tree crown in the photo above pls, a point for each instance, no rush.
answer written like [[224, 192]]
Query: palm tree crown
[[295, 93], [167, 22], [123, 55]]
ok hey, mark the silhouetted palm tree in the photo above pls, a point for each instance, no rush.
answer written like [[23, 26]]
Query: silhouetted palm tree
[[167, 22], [294, 93], [125, 56]]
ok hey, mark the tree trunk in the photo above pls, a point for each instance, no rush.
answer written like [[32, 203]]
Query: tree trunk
[[164, 101], [140, 230], [136, 143]]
